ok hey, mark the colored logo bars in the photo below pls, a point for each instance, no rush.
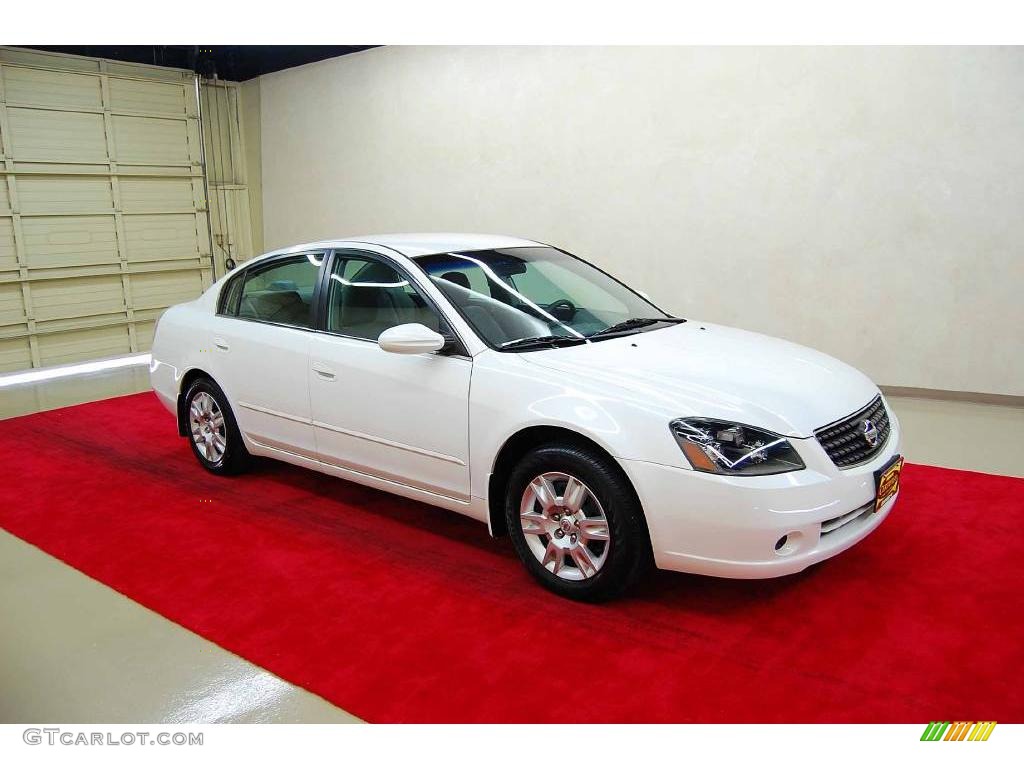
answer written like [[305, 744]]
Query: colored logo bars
[[958, 731]]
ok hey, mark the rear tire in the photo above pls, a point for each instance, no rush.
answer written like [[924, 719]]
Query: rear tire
[[212, 430], [576, 523]]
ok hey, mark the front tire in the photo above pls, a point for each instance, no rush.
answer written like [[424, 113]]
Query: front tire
[[576, 523], [212, 430]]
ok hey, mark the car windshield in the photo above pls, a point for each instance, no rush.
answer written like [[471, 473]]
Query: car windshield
[[518, 298]]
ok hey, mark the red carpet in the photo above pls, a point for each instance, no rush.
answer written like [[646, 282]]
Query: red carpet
[[401, 612]]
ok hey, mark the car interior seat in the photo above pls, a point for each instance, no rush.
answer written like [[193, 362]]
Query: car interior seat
[[459, 278], [376, 299], [492, 319], [276, 307]]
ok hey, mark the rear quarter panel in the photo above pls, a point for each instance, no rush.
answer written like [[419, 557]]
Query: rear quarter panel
[[183, 342]]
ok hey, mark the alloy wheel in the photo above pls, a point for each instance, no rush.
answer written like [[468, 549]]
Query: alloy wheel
[[565, 526], [209, 432]]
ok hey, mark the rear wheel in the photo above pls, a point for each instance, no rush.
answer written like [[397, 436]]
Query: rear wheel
[[576, 523], [212, 430]]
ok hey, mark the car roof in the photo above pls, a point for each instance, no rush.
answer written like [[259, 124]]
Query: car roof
[[423, 243]]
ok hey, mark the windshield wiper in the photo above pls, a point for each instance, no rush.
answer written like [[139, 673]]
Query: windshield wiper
[[542, 341], [632, 324]]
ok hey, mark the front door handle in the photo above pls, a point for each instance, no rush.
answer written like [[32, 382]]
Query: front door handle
[[219, 343], [323, 372]]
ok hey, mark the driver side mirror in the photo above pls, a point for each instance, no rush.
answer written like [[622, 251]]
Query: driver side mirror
[[410, 339]]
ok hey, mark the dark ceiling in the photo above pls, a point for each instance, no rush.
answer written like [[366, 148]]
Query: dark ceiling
[[228, 62]]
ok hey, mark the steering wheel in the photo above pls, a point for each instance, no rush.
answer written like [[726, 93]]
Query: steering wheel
[[563, 309]]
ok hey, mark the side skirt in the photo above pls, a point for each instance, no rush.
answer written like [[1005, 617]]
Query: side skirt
[[474, 507]]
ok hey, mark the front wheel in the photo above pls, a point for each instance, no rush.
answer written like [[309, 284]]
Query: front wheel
[[212, 430], [576, 523]]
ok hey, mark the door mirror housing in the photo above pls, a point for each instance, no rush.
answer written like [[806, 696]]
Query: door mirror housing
[[410, 339]]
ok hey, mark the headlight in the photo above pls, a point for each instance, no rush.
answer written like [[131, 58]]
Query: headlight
[[734, 449]]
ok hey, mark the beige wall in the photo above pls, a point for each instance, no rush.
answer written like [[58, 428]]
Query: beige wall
[[865, 201]]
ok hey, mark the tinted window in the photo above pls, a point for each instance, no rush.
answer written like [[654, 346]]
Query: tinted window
[[229, 295], [281, 292], [516, 293], [366, 297]]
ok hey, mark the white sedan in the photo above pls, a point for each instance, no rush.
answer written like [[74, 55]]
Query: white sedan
[[520, 385]]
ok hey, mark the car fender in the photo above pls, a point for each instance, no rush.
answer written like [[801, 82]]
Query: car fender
[[508, 395]]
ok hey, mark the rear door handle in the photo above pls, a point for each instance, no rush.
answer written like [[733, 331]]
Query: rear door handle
[[219, 343], [323, 372]]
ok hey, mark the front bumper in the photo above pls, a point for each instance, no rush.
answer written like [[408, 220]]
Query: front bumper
[[730, 526]]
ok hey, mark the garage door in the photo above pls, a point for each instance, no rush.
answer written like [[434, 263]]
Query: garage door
[[103, 216]]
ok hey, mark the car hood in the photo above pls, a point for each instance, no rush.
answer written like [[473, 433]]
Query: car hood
[[701, 369]]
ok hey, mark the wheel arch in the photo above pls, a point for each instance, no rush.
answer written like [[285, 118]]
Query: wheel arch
[[186, 381], [517, 446]]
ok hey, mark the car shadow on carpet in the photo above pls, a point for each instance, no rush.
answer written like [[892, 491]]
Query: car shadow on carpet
[[330, 503]]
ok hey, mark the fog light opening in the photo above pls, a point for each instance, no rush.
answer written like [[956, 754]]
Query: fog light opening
[[788, 544]]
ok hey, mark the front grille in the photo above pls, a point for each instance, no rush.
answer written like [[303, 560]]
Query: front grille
[[844, 440]]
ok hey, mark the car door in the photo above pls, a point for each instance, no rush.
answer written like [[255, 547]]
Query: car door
[[261, 348], [399, 417]]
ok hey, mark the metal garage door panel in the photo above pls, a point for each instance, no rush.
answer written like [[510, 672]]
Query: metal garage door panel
[[62, 241], [144, 334], [43, 134], [12, 308], [154, 237], [52, 89], [88, 344], [14, 354], [151, 140], [161, 289], [55, 194], [77, 297], [103, 209], [141, 96], [8, 254], [152, 195]]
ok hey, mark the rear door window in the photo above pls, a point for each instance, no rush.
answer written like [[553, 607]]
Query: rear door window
[[282, 291]]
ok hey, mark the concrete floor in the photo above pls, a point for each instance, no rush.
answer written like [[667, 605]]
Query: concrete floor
[[73, 650]]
